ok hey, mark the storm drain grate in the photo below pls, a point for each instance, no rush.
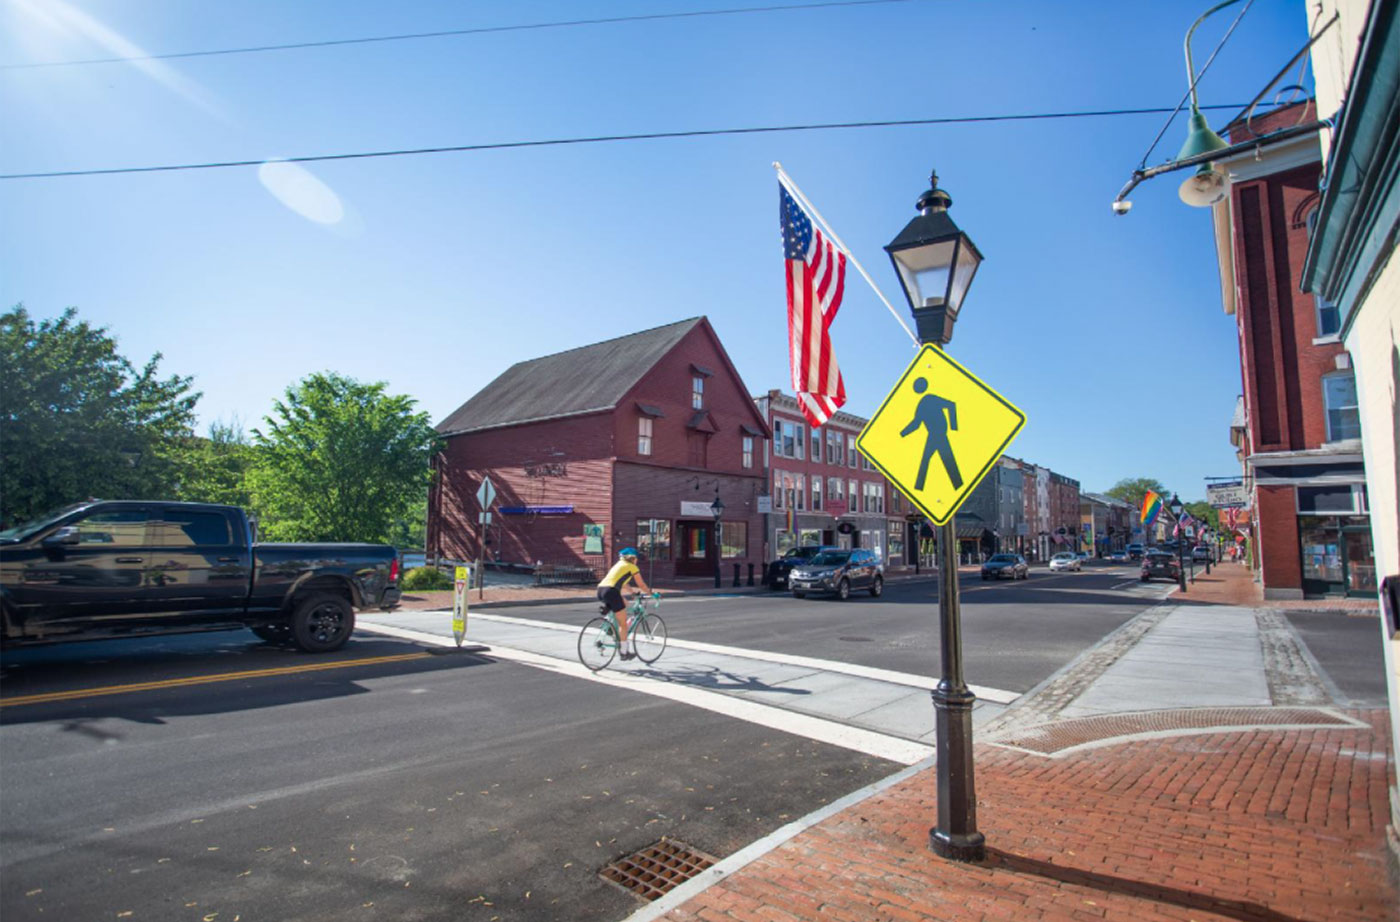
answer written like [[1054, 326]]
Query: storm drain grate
[[656, 869]]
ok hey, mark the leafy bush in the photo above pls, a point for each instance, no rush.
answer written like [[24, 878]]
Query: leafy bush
[[422, 578]]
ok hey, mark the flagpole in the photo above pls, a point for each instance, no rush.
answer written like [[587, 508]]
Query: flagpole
[[791, 186]]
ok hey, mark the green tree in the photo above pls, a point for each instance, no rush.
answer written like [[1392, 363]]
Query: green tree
[[77, 419], [1204, 511], [339, 460], [215, 469], [1131, 490]]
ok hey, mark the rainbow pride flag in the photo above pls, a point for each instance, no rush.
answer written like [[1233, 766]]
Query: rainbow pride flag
[[1151, 508]]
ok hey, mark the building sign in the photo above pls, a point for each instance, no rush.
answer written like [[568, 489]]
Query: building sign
[[536, 510], [593, 539], [836, 507], [765, 504], [697, 509], [939, 409], [1225, 495]]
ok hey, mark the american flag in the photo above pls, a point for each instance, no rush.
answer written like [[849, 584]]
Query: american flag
[[816, 279]]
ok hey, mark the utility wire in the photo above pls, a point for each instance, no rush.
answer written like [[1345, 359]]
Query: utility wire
[[484, 30], [596, 139]]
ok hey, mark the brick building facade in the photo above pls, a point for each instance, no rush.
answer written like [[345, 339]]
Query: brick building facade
[[1301, 434], [824, 491], [624, 442]]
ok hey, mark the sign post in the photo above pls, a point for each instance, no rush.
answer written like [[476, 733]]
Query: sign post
[[485, 496], [459, 604], [938, 408]]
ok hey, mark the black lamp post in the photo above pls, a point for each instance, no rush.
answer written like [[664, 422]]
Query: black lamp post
[[1175, 507], [717, 510], [1207, 539], [936, 263]]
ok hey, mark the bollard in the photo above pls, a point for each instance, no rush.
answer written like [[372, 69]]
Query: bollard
[[750, 574], [736, 574]]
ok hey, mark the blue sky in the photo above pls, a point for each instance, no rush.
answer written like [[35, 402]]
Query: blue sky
[[435, 273]]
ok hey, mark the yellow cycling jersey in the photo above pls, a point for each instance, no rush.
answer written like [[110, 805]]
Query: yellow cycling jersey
[[618, 576]]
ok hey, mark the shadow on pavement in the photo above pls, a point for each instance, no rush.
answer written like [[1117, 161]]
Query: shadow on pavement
[[715, 679], [1243, 910]]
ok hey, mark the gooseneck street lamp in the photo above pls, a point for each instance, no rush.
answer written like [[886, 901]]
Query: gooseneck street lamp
[[1175, 507], [717, 510], [936, 263]]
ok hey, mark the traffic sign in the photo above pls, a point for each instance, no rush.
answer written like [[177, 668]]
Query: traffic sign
[[486, 494], [939, 409]]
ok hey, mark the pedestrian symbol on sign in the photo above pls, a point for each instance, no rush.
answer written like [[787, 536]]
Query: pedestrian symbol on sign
[[937, 416]]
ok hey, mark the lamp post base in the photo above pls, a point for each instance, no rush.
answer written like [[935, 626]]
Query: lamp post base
[[971, 847]]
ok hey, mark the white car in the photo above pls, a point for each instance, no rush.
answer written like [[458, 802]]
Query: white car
[[1065, 562]]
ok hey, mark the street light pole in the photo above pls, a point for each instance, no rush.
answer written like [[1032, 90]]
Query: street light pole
[[1180, 537], [936, 263]]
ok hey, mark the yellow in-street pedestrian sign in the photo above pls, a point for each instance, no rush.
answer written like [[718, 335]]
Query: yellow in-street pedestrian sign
[[938, 433]]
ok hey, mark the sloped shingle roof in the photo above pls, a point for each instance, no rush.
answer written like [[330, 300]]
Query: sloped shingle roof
[[584, 380]]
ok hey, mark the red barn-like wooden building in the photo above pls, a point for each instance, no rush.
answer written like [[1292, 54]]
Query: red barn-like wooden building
[[623, 442]]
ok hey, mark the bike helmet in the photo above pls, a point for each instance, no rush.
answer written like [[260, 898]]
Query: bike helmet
[[629, 552]]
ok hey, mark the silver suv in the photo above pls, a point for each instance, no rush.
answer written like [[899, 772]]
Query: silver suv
[[837, 572]]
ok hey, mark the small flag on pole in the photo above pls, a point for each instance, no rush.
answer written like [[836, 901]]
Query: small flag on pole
[[816, 279]]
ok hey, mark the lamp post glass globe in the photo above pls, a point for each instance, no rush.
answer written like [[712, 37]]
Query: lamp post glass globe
[[1175, 505], [935, 262]]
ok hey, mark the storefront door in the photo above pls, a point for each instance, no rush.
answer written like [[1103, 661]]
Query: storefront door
[[1359, 560], [695, 549]]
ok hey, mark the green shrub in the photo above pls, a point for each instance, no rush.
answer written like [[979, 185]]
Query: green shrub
[[422, 578]]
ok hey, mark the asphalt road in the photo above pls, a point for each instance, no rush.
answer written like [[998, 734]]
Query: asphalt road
[[1016, 634], [212, 777], [434, 787]]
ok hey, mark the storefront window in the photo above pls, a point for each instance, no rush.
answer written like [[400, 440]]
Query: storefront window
[[896, 540], [734, 539], [1337, 555], [811, 536], [654, 538], [784, 541]]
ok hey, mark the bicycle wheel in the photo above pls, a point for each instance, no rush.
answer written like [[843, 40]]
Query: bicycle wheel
[[597, 643], [649, 638]]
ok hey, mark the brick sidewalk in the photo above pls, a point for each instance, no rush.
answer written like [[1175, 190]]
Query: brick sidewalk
[[1256, 826], [1233, 584]]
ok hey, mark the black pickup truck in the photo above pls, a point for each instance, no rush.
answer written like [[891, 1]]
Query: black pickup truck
[[127, 568]]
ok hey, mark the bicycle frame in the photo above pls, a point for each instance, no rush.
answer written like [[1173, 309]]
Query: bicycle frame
[[636, 610]]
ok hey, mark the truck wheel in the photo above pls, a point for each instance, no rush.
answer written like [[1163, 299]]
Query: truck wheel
[[273, 633], [322, 622]]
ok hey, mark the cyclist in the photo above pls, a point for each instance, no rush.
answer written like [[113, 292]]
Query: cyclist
[[610, 591]]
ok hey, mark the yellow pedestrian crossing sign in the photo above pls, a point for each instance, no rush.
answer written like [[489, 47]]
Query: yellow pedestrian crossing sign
[[938, 433]]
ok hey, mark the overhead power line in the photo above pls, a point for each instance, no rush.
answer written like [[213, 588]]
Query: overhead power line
[[597, 139], [446, 33]]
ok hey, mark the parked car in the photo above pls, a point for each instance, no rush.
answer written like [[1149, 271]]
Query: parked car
[[1135, 551], [999, 565], [118, 569], [1082, 555], [1158, 565], [1200, 552], [1065, 561], [779, 569], [1118, 556], [837, 572]]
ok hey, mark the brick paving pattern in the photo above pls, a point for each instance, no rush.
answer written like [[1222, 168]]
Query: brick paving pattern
[[1270, 826]]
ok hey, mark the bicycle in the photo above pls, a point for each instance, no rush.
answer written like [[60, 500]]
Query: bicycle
[[597, 642]]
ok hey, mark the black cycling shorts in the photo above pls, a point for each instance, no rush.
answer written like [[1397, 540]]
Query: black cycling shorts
[[611, 596]]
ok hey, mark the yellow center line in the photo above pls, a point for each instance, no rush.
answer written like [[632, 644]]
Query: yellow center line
[[205, 679]]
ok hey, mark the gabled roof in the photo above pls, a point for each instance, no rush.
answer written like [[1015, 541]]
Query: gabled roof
[[589, 379]]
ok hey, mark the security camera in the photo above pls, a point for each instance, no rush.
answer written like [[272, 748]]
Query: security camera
[[1121, 208]]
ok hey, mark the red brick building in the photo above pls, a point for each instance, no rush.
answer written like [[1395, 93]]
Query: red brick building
[[824, 491], [1300, 434], [1064, 521], [623, 442]]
